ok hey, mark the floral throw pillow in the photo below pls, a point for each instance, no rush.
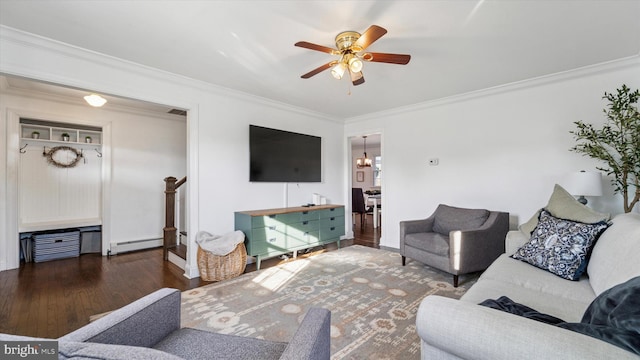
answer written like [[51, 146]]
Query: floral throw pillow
[[560, 246]]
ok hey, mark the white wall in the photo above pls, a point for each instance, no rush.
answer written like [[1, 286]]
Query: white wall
[[500, 149], [145, 148], [217, 132]]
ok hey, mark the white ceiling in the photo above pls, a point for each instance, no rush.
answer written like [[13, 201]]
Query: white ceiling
[[456, 46]]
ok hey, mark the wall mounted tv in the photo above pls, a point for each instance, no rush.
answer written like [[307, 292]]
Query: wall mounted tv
[[283, 156]]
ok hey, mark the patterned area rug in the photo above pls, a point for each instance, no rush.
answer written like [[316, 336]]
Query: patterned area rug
[[373, 301]]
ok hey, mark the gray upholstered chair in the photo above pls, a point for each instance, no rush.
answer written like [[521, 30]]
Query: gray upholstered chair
[[456, 240], [149, 328]]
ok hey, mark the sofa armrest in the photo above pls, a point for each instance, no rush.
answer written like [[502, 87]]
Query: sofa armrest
[[416, 226], [471, 331], [475, 250], [413, 227], [144, 322], [312, 340]]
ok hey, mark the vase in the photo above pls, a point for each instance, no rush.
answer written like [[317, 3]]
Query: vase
[[35, 136]]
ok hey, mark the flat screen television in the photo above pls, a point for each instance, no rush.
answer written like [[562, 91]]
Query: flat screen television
[[283, 156]]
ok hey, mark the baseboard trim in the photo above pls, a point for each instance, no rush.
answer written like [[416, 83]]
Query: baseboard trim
[[122, 247]]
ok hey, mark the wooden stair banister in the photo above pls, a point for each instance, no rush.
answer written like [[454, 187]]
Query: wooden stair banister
[[169, 239]]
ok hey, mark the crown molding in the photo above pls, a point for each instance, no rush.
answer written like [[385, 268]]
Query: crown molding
[[618, 64], [29, 40]]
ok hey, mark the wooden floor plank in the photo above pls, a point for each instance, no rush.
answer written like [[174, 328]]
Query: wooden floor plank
[[53, 298]]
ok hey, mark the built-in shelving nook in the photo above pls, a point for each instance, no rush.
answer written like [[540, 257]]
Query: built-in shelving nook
[[60, 189]]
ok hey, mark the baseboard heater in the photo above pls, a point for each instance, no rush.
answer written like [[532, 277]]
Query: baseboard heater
[[133, 245]]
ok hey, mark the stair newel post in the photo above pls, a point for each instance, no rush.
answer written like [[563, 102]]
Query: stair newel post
[[170, 208]]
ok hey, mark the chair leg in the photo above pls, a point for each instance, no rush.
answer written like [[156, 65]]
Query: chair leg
[[455, 281], [404, 260]]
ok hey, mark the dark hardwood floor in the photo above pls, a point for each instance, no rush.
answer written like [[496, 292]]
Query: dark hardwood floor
[[50, 299]]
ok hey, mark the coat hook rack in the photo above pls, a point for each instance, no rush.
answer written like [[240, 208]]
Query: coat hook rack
[[99, 153], [22, 149]]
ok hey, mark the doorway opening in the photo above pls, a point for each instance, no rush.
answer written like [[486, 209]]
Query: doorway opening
[[119, 140], [366, 182]]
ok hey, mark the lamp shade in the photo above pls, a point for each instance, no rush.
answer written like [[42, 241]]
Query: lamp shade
[[584, 183]]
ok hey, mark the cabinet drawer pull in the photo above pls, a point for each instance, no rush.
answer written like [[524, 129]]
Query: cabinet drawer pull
[[332, 228], [332, 209], [272, 240], [306, 233], [305, 212], [332, 219], [305, 223], [272, 227], [272, 216]]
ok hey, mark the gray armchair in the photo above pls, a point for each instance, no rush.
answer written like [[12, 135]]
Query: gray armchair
[[455, 240], [149, 328]]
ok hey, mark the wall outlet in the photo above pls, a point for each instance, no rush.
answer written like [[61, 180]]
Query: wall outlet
[[433, 162]]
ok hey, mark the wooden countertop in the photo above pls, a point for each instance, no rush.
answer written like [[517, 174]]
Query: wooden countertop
[[267, 212]]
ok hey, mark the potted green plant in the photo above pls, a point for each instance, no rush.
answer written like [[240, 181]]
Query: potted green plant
[[617, 143], [88, 139], [65, 137], [35, 135]]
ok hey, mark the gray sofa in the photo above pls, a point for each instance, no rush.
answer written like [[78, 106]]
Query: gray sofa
[[462, 329], [149, 328]]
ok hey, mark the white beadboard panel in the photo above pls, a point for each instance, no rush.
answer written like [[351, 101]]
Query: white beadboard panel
[[55, 196]]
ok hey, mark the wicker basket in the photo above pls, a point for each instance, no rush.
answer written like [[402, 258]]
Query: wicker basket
[[217, 268]]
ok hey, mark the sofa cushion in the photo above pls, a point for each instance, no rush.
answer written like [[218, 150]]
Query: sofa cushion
[[198, 344], [434, 243], [563, 205], [87, 350], [533, 287], [560, 246], [449, 218], [616, 256]]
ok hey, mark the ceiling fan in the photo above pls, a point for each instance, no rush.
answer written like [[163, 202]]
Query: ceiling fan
[[350, 47]]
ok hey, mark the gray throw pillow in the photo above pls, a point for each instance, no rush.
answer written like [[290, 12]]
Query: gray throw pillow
[[563, 205]]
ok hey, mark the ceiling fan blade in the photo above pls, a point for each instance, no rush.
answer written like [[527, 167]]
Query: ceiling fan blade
[[400, 59], [373, 33], [357, 78], [310, 46], [318, 70]]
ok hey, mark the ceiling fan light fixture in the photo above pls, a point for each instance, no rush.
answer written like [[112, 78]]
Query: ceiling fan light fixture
[[338, 70], [350, 46], [355, 64]]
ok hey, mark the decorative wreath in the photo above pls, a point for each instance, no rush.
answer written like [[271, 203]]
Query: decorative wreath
[[63, 156]]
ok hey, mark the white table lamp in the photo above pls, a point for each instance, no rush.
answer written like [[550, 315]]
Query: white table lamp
[[584, 183]]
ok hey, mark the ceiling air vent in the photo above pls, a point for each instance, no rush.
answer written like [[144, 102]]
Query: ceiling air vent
[[178, 112]]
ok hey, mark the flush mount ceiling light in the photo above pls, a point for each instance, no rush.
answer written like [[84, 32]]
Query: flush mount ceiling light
[[350, 47], [95, 100]]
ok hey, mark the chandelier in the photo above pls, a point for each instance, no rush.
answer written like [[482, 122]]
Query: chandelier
[[363, 161]]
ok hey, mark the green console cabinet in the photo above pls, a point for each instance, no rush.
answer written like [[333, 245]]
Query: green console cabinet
[[273, 232]]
